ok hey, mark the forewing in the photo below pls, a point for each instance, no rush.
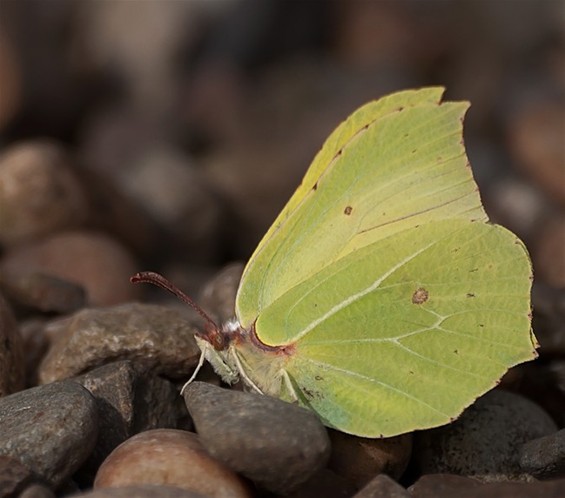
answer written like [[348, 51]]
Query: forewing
[[383, 171], [408, 331]]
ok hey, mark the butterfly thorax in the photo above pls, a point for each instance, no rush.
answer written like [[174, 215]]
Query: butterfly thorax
[[237, 353]]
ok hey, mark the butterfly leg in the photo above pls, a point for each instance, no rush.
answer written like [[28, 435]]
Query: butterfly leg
[[242, 373], [289, 386]]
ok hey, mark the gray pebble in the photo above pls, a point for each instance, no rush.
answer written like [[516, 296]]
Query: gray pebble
[[382, 486], [544, 457], [484, 442], [128, 401], [275, 444], [51, 429], [12, 365], [155, 338]]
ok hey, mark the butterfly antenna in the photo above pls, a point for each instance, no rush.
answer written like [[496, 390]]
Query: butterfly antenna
[[151, 277]]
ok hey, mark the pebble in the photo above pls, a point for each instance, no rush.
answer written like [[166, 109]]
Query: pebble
[[484, 442], [382, 486], [12, 365], [442, 486], [14, 476], [129, 400], [42, 292], [276, 444], [51, 429], [324, 483], [544, 458], [41, 193], [147, 491], [550, 489], [93, 260], [360, 459], [172, 457], [155, 338], [37, 491]]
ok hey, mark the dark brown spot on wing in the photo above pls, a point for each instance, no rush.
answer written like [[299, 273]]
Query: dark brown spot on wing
[[347, 211], [420, 296]]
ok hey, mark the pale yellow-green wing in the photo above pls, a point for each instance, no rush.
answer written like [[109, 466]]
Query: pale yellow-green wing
[[393, 165], [406, 332]]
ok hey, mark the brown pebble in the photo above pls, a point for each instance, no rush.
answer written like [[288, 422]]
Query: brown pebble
[[155, 338], [360, 459], [12, 366], [145, 491], [39, 192], [89, 259], [171, 457]]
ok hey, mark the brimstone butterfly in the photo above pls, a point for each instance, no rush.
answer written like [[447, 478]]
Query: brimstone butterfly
[[381, 297]]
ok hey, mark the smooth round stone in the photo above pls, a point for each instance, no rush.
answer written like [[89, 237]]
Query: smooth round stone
[[544, 457], [41, 193], [172, 457], [276, 444], [93, 260], [12, 364], [51, 429], [485, 441], [360, 459], [146, 491], [154, 338]]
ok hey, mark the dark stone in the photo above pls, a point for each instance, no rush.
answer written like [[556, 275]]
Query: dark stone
[[275, 444], [442, 486], [12, 366], [51, 429], [14, 477], [485, 441], [544, 457], [382, 486], [128, 402]]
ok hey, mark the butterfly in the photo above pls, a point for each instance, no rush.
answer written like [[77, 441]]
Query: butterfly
[[381, 298]]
